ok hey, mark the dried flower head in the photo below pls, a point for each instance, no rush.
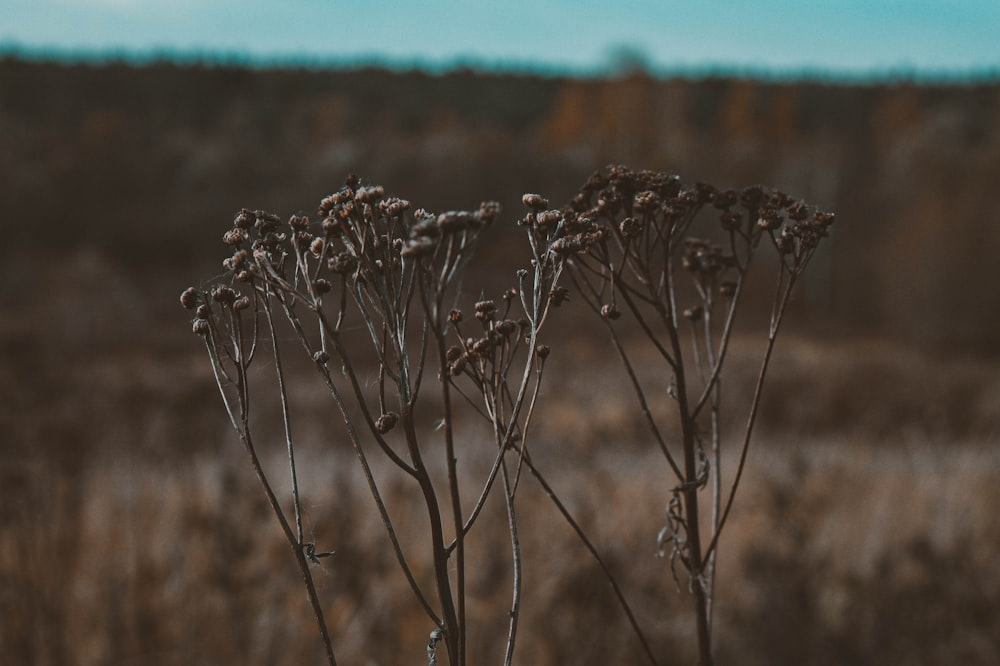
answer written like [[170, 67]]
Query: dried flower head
[[342, 262], [237, 261], [394, 206], [223, 294], [386, 422], [630, 227], [486, 311], [418, 247], [558, 296], [506, 328], [770, 218], [536, 202], [646, 201], [190, 298], [458, 366], [235, 236], [369, 195]]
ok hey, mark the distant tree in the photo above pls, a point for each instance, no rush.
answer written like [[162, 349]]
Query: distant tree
[[625, 60]]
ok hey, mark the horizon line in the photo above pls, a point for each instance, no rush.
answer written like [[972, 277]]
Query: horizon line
[[985, 74]]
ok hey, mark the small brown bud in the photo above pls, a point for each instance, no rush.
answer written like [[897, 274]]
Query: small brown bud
[[785, 243], [203, 311], [482, 346], [331, 226], [223, 294], [386, 422], [394, 207], [543, 351], [455, 316], [234, 236], [610, 311], [243, 219], [241, 303], [189, 298], [535, 201], [322, 286], [567, 246], [454, 221], [298, 223], [558, 296], [418, 247], [646, 201], [506, 328], [798, 211], [548, 218], [237, 261], [770, 219], [201, 327], [488, 211], [630, 227], [458, 366], [316, 247], [321, 357], [370, 195]]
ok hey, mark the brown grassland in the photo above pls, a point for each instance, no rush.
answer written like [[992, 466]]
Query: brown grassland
[[131, 529]]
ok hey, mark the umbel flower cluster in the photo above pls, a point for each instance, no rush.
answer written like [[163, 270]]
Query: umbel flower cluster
[[636, 247], [640, 209], [362, 238]]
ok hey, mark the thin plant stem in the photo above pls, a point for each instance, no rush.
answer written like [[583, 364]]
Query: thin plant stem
[[588, 544]]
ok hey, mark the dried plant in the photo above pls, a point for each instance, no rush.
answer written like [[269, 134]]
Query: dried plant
[[373, 264], [627, 238]]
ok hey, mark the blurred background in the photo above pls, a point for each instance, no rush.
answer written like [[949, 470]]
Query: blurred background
[[131, 132]]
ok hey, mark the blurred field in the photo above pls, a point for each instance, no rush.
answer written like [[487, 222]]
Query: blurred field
[[130, 528], [133, 531]]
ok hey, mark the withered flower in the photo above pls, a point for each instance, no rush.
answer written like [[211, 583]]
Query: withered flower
[[190, 297]]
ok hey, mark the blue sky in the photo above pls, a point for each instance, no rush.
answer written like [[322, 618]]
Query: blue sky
[[839, 36]]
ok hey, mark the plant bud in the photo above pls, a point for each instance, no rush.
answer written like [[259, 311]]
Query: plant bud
[[535, 201], [189, 298], [386, 422]]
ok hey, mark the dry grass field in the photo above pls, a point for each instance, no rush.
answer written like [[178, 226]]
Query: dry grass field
[[866, 531]]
